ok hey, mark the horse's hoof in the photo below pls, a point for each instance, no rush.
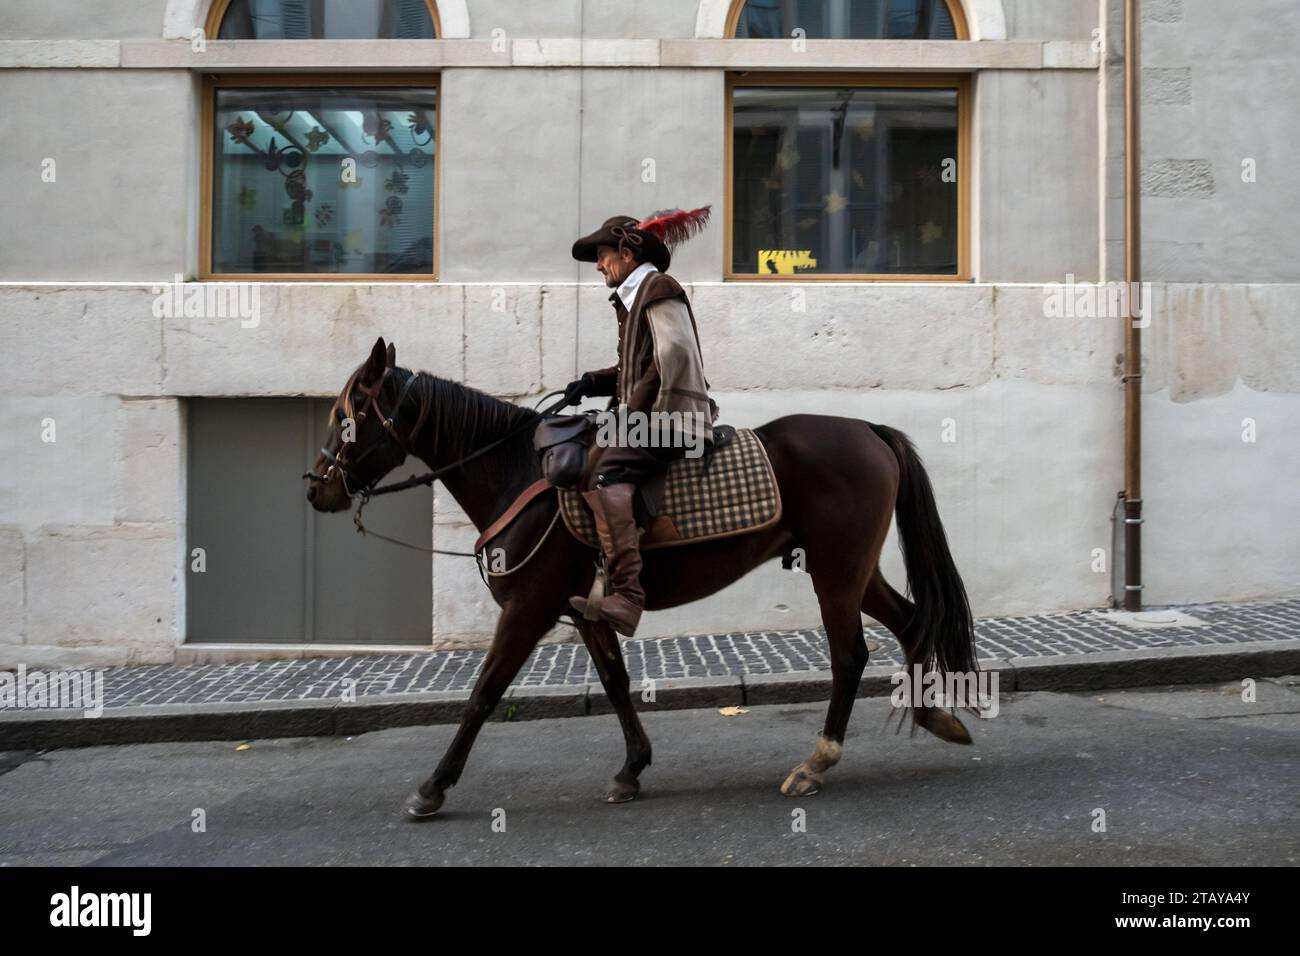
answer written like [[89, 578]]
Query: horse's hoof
[[420, 807], [946, 727], [622, 792], [801, 782]]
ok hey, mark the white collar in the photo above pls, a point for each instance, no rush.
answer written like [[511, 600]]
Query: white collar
[[627, 291]]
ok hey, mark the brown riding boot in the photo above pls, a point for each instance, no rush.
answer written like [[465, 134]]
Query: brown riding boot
[[611, 505]]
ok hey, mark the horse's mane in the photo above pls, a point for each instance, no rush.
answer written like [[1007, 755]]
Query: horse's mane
[[460, 419]]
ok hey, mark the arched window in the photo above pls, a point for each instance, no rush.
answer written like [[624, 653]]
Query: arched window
[[849, 19], [318, 174], [323, 20], [844, 175]]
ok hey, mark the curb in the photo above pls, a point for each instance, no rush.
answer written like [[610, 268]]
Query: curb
[[37, 730]]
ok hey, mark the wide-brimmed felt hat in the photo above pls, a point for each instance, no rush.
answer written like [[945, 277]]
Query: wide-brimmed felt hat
[[648, 238]]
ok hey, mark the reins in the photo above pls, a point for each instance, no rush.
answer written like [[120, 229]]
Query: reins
[[428, 478]]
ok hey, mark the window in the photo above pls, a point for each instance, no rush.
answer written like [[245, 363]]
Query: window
[[319, 176], [844, 176], [849, 19], [322, 20], [847, 176]]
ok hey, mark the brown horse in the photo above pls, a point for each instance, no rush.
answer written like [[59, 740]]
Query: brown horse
[[840, 479]]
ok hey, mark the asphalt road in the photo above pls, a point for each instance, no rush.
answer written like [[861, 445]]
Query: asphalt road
[[1185, 776]]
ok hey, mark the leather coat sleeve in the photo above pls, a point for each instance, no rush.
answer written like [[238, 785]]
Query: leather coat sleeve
[[646, 390], [606, 381]]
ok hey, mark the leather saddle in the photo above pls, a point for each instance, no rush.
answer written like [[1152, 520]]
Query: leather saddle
[[730, 489]]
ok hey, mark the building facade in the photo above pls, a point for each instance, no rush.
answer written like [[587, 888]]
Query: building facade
[[918, 220]]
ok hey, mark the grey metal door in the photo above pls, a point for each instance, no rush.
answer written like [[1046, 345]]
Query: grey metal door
[[275, 570]]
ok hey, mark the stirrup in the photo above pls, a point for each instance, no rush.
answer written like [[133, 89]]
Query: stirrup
[[599, 588]]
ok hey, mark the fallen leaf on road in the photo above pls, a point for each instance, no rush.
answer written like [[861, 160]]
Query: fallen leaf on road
[[732, 711], [243, 746]]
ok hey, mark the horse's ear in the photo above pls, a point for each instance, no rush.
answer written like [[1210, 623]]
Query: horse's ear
[[376, 364], [392, 355]]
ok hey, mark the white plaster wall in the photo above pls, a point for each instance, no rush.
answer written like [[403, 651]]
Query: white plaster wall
[[121, 204], [1219, 89], [81, 19], [1220, 443], [509, 179], [1111, 106], [1050, 19], [1038, 175], [1221, 512], [653, 139], [517, 192], [99, 596], [589, 18], [89, 529]]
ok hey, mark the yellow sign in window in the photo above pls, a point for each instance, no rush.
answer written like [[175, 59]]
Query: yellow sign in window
[[785, 262]]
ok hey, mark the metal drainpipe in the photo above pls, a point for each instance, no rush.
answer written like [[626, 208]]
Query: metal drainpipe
[[1132, 335]]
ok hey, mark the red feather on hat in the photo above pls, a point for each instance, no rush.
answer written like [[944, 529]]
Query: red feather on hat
[[675, 225]]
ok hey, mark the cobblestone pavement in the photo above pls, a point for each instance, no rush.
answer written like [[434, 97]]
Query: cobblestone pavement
[[707, 655]]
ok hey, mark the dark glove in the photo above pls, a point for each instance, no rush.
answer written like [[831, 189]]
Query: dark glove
[[576, 390]]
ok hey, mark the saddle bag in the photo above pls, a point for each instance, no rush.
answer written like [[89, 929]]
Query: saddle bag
[[562, 443]]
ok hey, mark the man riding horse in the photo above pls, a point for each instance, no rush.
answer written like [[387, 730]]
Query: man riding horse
[[841, 481], [660, 372]]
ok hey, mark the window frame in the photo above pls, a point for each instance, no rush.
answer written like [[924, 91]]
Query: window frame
[[217, 13], [956, 9], [960, 82], [207, 222]]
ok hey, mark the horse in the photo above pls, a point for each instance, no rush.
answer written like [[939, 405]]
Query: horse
[[841, 480]]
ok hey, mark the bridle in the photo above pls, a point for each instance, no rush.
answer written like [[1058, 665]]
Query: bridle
[[339, 463]]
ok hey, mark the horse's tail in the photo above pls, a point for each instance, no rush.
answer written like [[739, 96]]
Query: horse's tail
[[941, 632]]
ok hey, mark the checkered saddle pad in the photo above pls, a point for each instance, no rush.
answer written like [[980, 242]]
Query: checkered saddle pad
[[736, 493]]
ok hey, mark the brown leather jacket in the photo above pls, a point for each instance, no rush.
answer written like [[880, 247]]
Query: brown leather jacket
[[660, 365]]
